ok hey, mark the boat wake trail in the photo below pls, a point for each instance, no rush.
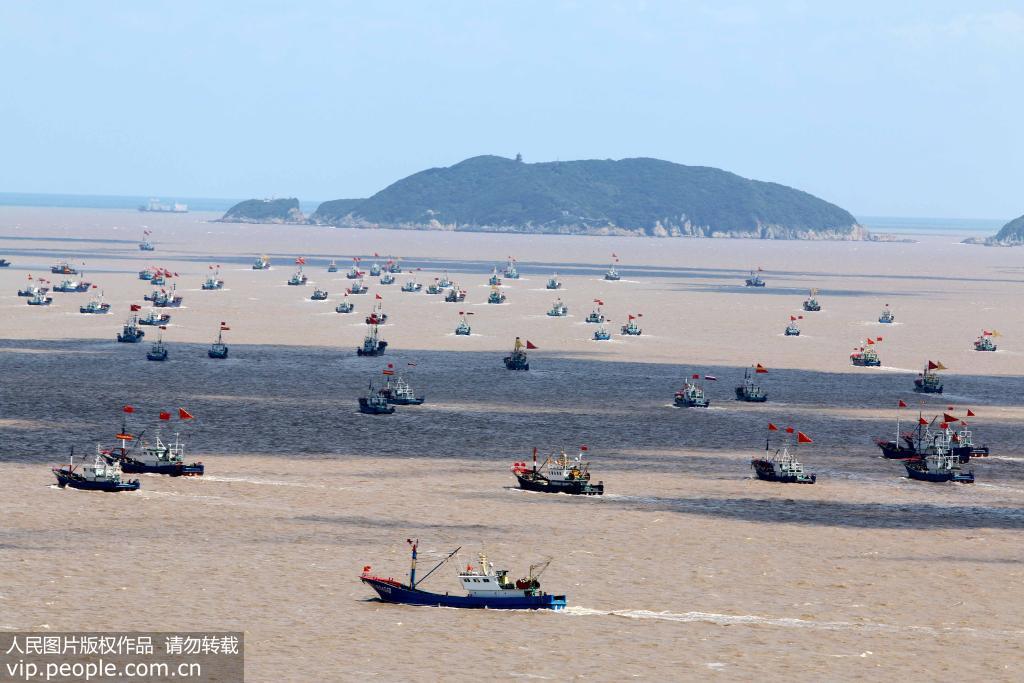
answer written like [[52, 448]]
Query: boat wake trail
[[784, 622]]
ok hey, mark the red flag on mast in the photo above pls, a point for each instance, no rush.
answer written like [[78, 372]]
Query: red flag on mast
[[530, 345], [803, 438], [164, 415], [772, 428], [760, 369], [970, 413], [902, 404], [128, 409], [946, 417], [789, 430], [184, 414]]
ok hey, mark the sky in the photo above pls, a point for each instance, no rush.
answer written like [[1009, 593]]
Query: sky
[[911, 108]]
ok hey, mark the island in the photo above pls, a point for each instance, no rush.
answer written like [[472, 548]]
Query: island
[[1010, 235], [265, 211]]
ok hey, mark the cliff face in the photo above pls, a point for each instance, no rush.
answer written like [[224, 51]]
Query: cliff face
[[265, 211], [1011, 234], [597, 197]]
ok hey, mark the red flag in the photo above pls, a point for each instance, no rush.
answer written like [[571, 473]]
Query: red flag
[[789, 430], [300, 261], [128, 409], [902, 404], [583, 448], [530, 344], [803, 438], [377, 296], [943, 425], [949, 418], [878, 339], [184, 414], [950, 408], [932, 366], [632, 317], [870, 340], [389, 372], [970, 413], [224, 328], [772, 428], [760, 369], [799, 317], [922, 421], [695, 377], [136, 307], [792, 318], [164, 415], [95, 286]]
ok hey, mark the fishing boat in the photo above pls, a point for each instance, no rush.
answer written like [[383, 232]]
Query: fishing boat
[[164, 299], [146, 244], [377, 315], [495, 297], [154, 318], [394, 266], [485, 588], [434, 288], [39, 299], [692, 394], [375, 403], [517, 360], [358, 288], [70, 286], [345, 306], [750, 391], [375, 270], [159, 278], [510, 269], [146, 274], [412, 286], [494, 280], [938, 467], [560, 474], [298, 278], [397, 391], [558, 309], [631, 328], [387, 279], [782, 466], [455, 295], [131, 333], [33, 290], [755, 279], [602, 334], [96, 306], [887, 316], [353, 272], [262, 263], [596, 316], [99, 476], [213, 280], [332, 267], [318, 295], [158, 457], [463, 329], [984, 342], [63, 268], [372, 345], [866, 356], [811, 303], [445, 282], [792, 329], [554, 282], [4, 263], [611, 274], [923, 440], [158, 351], [219, 350], [928, 381]]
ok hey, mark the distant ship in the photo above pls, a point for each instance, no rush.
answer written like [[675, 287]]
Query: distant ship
[[750, 391], [4, 263], [887, 316], [811, 303], [602, 334], [922, 440], [298, 278], [866, 356], [412, 286], [213, 280], [937, 467], [146, 244], [154, 318], [397, 391], [219, 350], [358, 288], [158, 351], [157, 457], [596, 316], [984, 342], [387, 279], [485, 588], [377, 315], [70, 286], [463, 329], [99, 476], [147, 274], [164, 299], [318, 295], [792, 329], [510, 269], [755, 279], [332, 267], [782, 466], [374, 270], [494, 280], [353, 272], [558, 475], [631, 328], [445, 282], [455, 295], [394, 266], [156, 206], [375, 403], [40, 298], [554, 282], [495, 297], [96, 306], [345, 306], [63, 268], [611, 274], [558, 309], [692, 394], [32, 289], [130, 333], [262, 263], [372, 345], [928, 382], [517, 360]]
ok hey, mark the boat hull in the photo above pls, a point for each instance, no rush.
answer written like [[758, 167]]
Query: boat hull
[[367, 408], [939, 477], [217, 354], [580, 487], [196, 469], [376, 351], [765, 471], [397, 593], [513, 364], [110, 487], [743, 395]]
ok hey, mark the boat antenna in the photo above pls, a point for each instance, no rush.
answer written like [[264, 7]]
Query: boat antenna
[[537, 569], [436, 567]]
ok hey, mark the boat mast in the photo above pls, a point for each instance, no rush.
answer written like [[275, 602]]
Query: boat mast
[[412, 569]]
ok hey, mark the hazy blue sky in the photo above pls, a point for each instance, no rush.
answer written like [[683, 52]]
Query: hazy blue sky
[[892, 108]]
